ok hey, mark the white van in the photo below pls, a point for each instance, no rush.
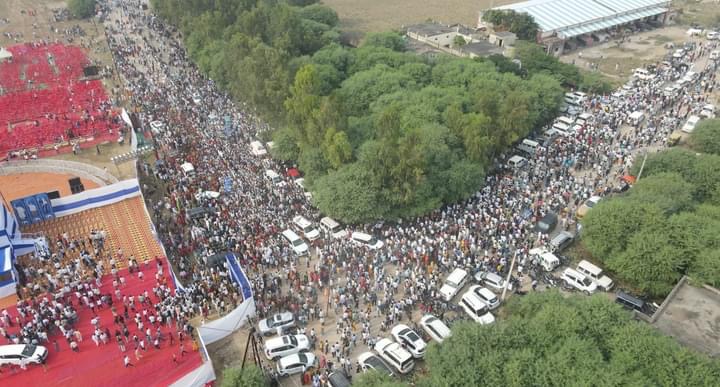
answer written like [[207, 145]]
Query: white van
[[333, 228], [282, 346], [565, 120], [486, 296], [257, 149], [306, 227], [367, 240], [637, 117], [188, 169], [453, 283], [579, 281], [561, 241], [517, 162], [395, 355], [528, 146], [435, 328], [559, 126], [298, 245], [17, 354], [544, 258], [493, 280], [476, 308], [596, 275], [273, 176], [157, 127]]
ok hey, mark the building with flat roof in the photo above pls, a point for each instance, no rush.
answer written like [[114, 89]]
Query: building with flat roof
[[566, 24]]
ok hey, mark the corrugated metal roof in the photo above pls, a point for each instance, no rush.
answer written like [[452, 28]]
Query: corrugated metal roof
[[611, 22], [555, 15]]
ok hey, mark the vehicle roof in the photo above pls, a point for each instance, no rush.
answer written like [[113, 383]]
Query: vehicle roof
[[12, 348], [285, 361]]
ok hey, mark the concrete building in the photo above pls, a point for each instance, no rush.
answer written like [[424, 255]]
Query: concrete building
[[436, 37], [568, 24]]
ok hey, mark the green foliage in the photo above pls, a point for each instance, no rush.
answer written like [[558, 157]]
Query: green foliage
[[459, 41], [521, 24], [667, 225], [551, 340], [706, 137], [81, 9], [391, 40], [250, 376], [375, 379]]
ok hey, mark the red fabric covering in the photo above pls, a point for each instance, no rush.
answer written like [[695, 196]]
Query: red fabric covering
[[103, 365], [44, 100]]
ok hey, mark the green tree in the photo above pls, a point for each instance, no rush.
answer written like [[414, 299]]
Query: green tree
[[81, 9], [375, 379], [459, 41], [706, 137], [250, 376], [391, 40], [349, 194]]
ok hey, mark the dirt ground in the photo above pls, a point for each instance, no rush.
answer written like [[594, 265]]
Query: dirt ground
[[358, 17], [706, 13]]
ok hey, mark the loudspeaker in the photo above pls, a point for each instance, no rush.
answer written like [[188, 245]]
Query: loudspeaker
[[54, 195]]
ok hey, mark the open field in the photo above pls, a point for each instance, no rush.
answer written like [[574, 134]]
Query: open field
[[703, 12], [358, 17]]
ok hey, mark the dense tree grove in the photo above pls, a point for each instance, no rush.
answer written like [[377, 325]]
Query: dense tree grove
[[551, 340], [706, 137], [667, 225], [250, 376], [521, 24], [380, 133]]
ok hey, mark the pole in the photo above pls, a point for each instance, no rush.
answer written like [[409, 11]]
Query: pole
[[507, 280], [251, 337], [642, 166]]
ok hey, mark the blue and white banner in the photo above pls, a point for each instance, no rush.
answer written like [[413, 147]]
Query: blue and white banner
[[94, 198], [238, 275]]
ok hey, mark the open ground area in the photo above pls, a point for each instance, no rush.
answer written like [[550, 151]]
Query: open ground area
[[358, 17], [692, 317]]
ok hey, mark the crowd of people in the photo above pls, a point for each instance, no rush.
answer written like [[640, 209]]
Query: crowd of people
[[356, 283]]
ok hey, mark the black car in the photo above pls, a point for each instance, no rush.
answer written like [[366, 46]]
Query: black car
[[548, 223]]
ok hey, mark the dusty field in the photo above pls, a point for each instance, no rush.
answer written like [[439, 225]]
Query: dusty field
[[618, 60], [358, 17], [704, 12]]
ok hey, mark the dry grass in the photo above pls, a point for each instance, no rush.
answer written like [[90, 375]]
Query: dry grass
[[358, 17]]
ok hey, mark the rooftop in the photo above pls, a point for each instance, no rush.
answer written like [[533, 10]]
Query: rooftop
[[558, 15], [482, 48]]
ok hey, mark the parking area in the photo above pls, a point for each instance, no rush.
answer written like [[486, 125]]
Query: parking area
[[692, 317]]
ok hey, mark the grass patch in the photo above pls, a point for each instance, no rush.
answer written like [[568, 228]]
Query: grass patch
[[661, 39]]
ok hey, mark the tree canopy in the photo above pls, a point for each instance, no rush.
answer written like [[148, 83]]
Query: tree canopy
[[706, 137], [666, 226], [81, 9], [250, 376], [551, 340], [521, 24]]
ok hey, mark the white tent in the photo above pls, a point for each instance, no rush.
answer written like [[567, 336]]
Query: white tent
[[5, 54]]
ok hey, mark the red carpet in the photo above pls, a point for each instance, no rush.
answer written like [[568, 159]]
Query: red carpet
[[103, 365]]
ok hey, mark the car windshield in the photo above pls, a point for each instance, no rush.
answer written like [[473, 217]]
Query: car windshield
[[590, 203], [586, 282], [303, 358], [28, 350], [413, 336], [450, 283], [298, 242], [373, 241]]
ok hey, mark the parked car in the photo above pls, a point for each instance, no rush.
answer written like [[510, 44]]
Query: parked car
[[333, 228], [453, 283], [339, 379], [690, 124], [410, 340], [560, 241], [493, 280], [395, 355], [547, 260], [307, 228], [282, 346], [486, 296], [548, 223], [708, 111], [270, 325], [372, 362], [17, 354], [595, 274], [366, 240], [578, 281], [293, 364], [435, 328], [476, 308], [587, 206]]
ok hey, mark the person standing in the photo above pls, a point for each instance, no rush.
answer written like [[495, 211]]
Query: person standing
[[126, 361]]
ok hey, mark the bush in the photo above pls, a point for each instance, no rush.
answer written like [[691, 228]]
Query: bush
[[82, 9], [706, 137]]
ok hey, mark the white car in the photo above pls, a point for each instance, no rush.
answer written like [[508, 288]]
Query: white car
[[410, 340], [708, 111], [293, 364], [493, 280], [395, 355], [435, 328], [307, 228], [712, 35], [486, 296], [453, 283], [17, 354], [690, 124], [157, 127], [714, 55], [476, 308], [270, 325], [282, 346], [366, 240], [372, 362], [578, 281], [197, 98]]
